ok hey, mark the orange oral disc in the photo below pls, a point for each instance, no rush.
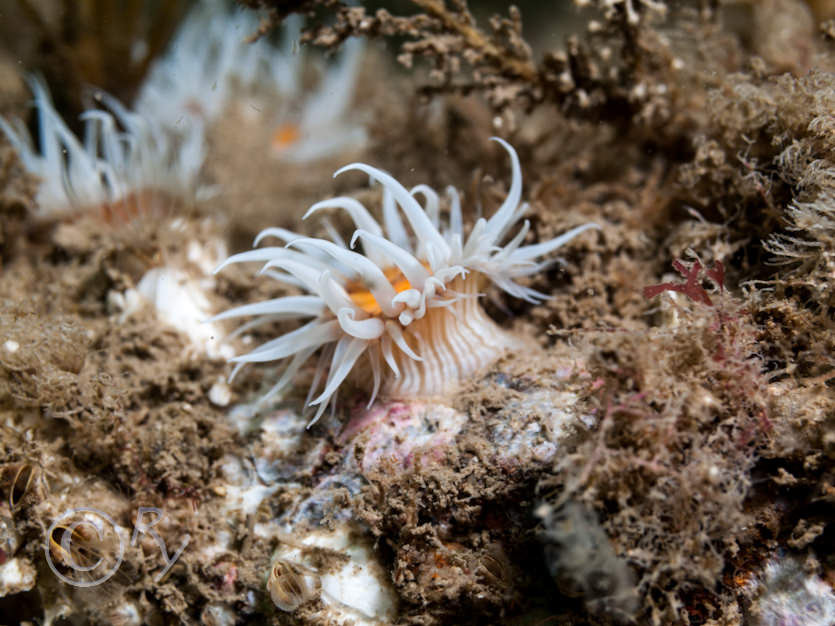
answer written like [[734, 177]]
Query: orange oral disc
[[364, 299], [286, 135]]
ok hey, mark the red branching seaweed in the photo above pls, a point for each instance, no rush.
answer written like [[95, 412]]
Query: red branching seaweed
[[692, 287]]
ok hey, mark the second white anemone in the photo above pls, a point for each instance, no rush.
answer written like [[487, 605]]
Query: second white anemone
[[126, 164], [212, 68], [408, 302]]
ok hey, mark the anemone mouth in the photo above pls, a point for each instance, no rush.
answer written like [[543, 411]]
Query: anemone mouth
[[363, 297], [285, 135]]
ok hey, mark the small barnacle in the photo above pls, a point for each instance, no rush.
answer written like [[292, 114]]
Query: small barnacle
[[408, 303], [83, 547], [18, 480], [493, 567], [292, 585]]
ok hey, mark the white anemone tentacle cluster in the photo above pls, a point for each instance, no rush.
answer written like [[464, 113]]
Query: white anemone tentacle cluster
[[212, 65], [408, 302], [210, 60], [132, 161], [123, 158]]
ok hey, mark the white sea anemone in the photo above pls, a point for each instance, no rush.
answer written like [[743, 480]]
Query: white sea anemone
[[210, 63], [125, 165], [212, 66], [409, 303], [324, 126]]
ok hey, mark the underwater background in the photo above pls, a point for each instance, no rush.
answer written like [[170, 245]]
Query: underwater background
[[553, 346]]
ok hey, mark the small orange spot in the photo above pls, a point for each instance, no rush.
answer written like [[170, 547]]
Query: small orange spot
[[364, 299], [286, 135], [440, 560]]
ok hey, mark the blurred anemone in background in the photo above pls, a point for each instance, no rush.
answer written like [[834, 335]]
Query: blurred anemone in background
[[125, 164], [213, 66]]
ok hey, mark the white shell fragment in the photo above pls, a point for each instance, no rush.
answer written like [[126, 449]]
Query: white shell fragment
[[16, 575], [357, 592], [220, 394], [181, 302]]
